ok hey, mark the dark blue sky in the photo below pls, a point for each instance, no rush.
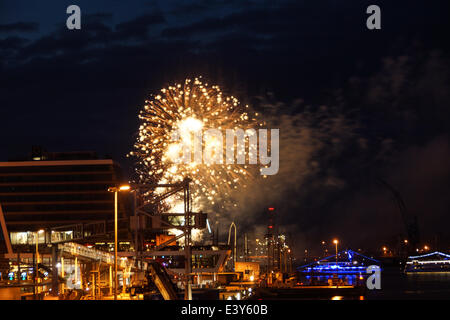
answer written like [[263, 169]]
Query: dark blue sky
[[81, 90], [96, 78]]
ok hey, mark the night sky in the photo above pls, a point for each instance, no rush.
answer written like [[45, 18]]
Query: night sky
[[356, 105]]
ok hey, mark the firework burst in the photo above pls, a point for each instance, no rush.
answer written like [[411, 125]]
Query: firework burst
[[187, 108]]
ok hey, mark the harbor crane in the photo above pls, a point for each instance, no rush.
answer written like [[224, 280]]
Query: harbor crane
[[410, 223]]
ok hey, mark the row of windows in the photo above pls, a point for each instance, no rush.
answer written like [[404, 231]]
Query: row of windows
[[28, 237], [59, 207], [49, 218], [98, 195], [57, 187], [64, 168], [55, 178]]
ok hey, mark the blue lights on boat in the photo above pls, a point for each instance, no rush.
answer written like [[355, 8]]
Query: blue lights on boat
[[350, 266]]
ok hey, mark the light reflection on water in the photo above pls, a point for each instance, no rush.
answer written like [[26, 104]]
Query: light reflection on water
[[352, 279], [397, 285]]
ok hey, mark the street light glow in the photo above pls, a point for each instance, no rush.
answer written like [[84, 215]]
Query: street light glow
[[335, 241], [124, 187], [116, 191]]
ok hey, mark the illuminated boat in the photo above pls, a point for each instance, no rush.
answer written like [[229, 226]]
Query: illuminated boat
[[431, 262], [348, 262]]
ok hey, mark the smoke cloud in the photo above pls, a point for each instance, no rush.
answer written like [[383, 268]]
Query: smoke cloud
[[390, 125]]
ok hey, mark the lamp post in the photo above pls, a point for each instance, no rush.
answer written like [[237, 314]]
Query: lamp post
[[335, 241], [116, 190], [37, 261], [37, 244]]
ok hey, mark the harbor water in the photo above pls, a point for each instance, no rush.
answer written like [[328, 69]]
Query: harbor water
[[396, 285]]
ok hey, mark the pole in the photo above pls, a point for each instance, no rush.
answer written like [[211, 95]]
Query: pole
[[245, 247], [62, 275], [337, 283], [280, 265], [76, 271], [93, 285], [36, 289], [235, 244], [336, 253], [138, 227], [5, 231], [55, 288], [290, 262], [18, 266], [34, 275], [110, 281], [124, 282], [187, 245], [268, 259], [115, 245], [37, 247]]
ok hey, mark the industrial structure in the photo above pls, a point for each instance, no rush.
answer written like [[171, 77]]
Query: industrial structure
[[410, 222], [53, 189], [65, 213], [72, 228]]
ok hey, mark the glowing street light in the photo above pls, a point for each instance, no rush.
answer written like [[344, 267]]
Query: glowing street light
[[124, 187], [37, 259], [37, 243], [116, 190], [335, 241]]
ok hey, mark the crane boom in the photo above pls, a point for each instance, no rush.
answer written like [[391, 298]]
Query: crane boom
[[411, 225]]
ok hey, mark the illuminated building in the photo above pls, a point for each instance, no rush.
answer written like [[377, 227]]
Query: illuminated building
[[49, 190], [55, 190]]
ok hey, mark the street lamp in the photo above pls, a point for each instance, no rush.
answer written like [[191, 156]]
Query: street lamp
[[335, 241], [324, 248], [37, 259], [37, 243], [116, 190]]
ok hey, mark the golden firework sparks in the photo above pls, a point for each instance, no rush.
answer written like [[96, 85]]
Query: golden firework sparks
[[188, 108]]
